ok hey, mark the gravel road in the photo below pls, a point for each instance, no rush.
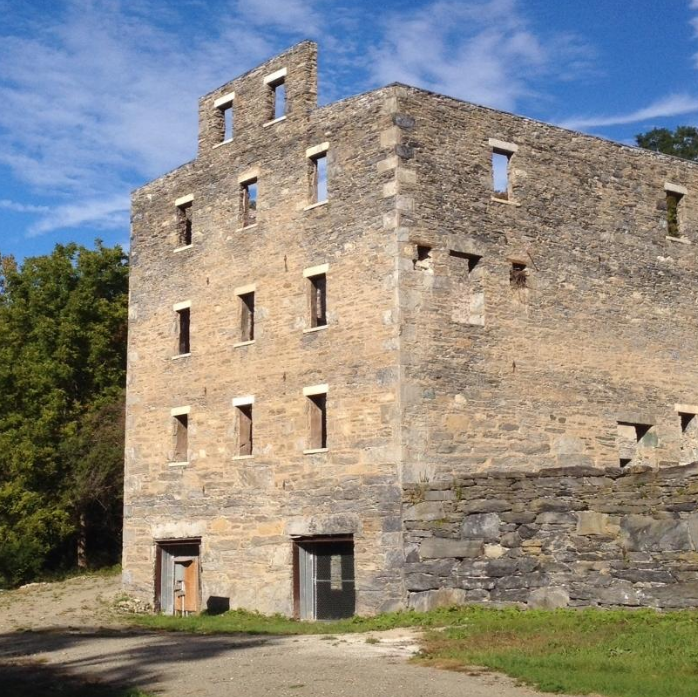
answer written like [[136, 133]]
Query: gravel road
[[45, 630]]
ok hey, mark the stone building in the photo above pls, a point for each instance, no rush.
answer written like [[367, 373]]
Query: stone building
[[365, 336]]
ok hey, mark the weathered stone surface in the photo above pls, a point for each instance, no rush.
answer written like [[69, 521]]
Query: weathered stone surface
[[444, 597], [443, 367], [548, 598], [483, 526], [487, 506], [610, 548], [440, 547], [592, 523], [642, 533], [426, 510]]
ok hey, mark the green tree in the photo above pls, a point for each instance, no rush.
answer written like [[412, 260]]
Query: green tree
[[63, 322], [683, 142]]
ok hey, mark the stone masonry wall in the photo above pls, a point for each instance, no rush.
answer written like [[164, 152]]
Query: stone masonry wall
[[557, 537], [501, 376], [247, 509]]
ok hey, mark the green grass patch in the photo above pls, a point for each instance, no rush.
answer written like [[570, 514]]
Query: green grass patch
[[612, 653], [243, 622]]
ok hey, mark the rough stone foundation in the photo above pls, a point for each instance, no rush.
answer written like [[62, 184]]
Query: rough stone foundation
[[572, 536]]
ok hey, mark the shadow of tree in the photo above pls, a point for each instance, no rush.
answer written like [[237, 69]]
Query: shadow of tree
[[104, 663]]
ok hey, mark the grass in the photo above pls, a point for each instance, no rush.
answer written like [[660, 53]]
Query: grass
[[612, 653], [240, 621]]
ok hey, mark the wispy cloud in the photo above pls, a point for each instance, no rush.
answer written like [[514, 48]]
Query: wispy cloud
[[100, 213], [481, 50], [99, 96], [15, 207], [104, 96], [673, 105]]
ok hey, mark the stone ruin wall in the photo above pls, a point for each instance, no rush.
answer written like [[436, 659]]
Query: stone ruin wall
[[496, 376], [554, 538]]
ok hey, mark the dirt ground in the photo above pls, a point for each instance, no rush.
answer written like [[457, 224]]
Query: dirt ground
[[50, 630]]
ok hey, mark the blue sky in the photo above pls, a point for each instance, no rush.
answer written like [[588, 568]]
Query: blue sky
[[99, 96]]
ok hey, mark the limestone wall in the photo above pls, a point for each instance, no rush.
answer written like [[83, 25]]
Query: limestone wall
[[246, 509], [500, 375], [557, 537]]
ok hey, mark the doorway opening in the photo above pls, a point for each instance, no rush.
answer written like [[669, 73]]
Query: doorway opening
[[323, 577], [177, 577]]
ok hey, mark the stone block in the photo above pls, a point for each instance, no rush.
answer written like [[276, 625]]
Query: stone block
[[548, 598], [592, 523], [425, 511], [441, 547], [487, 506], [642, 533], [484, 526], [443, 597]]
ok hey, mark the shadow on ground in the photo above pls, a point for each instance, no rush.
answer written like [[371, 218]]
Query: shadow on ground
[[101, 662]]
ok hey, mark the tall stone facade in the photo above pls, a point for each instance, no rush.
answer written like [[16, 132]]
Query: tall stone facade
[[449, 324]]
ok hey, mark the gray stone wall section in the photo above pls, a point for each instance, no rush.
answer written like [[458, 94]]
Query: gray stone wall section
[[554, 538], [500, 376]]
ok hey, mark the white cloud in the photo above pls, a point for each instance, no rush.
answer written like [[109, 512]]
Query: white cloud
[[291, 15], [480, 50], [15, 207], [100, 213], [673, 105], [101, 95]]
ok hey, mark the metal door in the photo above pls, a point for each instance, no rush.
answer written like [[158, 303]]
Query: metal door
[[326, 578]]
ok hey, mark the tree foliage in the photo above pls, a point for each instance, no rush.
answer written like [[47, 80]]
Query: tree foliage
[[63, 328], [682, 142]]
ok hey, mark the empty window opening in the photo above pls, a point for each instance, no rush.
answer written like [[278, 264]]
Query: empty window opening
[[246, 317], [500, 173], [323, 578], [248, 192], [467, 288], [634, 442], [673, 201], [518, 275], [422, 259], [278, 95], [317, 410], [227, 118], [183, 331], [177, 581], [318, 178], [180, 437], [184, 224], [244, 428], [317, 288], [687, 421], [472, 259], [689, 437]]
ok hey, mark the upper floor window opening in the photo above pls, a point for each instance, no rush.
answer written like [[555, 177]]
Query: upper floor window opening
[[224, 109], [317, 160], [248, 202], [276, 83], [674, 197], [183, 314], [184, 221], [246, 295], [502, 154]]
